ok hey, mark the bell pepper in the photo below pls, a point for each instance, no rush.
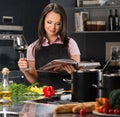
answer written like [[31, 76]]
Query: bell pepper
[[101, 103], [48, 91]]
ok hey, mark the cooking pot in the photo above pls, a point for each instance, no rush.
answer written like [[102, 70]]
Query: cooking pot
[[87, 85], [110, 82], [82, 85]]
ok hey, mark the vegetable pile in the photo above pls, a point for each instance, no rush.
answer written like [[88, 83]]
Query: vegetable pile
[[109, 105], [22, 92]]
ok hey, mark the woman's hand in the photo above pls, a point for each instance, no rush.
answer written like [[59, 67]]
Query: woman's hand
[[68, 68], [22, 63]]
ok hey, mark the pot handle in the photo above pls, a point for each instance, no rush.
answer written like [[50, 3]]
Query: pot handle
[[98, 86], [67, 81]]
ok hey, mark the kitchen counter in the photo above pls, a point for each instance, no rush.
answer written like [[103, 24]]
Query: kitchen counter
[[38, 108], [32, 109]]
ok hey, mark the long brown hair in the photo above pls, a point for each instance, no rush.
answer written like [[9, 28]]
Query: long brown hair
[[63, 29]]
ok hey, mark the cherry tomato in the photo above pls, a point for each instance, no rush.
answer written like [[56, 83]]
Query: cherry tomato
[[110, 111], [105, 110], [116, 111], [82, 112]]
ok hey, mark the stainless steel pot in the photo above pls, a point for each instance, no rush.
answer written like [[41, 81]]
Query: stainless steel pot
[[83, 83], [87, 85], [110, 82]]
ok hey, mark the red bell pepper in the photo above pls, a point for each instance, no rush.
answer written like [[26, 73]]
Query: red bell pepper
[[48, 91], [101, 103]]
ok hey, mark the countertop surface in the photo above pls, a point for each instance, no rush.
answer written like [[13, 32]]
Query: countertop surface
[[38, 108], [31, 109]]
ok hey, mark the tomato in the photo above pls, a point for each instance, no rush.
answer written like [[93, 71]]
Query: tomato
[[116, 111], [101, 103], [82, 112], [110, 111], [105, 110]]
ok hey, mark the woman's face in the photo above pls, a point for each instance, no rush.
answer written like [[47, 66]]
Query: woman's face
[[52, 23]]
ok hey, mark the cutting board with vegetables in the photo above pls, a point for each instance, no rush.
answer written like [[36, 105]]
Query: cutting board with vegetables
[[21, 92]]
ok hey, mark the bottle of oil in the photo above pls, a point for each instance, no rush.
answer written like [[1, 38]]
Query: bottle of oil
[[110, 20], [6, 92], [116, 20]]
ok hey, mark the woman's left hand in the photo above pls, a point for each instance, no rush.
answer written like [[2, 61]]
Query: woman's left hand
[[68, 68]]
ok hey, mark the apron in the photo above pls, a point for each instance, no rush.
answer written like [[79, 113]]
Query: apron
[[47, 54]]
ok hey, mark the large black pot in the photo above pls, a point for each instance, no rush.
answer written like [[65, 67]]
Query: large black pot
[[83, 83], [110, 82]]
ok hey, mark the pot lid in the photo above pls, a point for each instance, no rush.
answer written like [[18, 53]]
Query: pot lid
[[110, 75], [87, 70]]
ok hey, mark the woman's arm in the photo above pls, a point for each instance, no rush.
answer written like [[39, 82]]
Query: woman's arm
[[75, 57], [74, 53], [31, 75]]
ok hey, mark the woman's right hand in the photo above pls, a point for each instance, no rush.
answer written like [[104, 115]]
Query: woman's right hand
[[22, 63]]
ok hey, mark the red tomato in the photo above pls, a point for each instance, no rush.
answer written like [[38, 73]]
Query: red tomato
[[110, 111], [105, 110], [82, 112], [116, 111]]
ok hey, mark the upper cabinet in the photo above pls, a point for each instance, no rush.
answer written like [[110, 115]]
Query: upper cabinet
[[97, 18]]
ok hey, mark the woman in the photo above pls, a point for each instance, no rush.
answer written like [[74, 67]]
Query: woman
[[53, 43]]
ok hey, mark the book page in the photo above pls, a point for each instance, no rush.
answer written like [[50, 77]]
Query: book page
[[57, 64]]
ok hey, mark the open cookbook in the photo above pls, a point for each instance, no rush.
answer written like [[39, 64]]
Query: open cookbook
[[58, 63]]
